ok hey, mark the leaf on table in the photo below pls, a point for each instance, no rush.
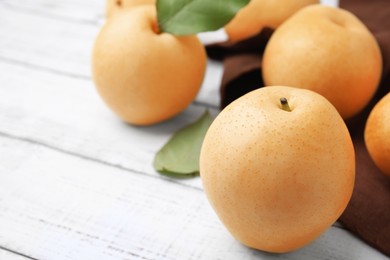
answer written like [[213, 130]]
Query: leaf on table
[[186, 17], [180, 155]]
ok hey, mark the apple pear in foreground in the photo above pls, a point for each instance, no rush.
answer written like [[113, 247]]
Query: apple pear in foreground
[[278, 167], [327, 50]]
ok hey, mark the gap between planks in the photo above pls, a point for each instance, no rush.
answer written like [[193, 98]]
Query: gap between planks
[[86, 209], [9, 254], [119, 167], [96, 160]]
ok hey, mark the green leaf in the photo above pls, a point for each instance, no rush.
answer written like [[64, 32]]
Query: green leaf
[[185, 17], [180, 155]]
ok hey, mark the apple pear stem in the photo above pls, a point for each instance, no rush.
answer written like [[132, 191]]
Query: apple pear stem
[[119, 2], [284, 104]]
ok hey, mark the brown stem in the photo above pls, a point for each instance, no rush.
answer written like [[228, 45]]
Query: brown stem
[[284, 104]]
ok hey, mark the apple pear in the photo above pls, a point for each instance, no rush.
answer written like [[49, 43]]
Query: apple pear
[[278, 167]]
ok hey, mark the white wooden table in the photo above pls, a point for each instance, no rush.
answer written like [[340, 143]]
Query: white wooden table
[[75, 181]]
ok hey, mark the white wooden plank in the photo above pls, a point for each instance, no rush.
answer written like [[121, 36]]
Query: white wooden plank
[[58, 206], [64, 47], [89, 11], [334, 3], [8, 255], [48, 43], [67, 114]]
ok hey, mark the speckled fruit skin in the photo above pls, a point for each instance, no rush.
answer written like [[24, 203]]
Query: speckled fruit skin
[[327, 50], [146, 77], [278, 179], [377, 134]]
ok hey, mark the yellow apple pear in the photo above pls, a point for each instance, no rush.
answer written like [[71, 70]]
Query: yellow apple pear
[[328, 50], [143, 75], [258, 14], [278, 167], [377, 134]]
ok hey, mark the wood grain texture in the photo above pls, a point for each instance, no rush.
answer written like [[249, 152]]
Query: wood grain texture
[[9, 255], [59, 206], [75, 181], [64, 47], [66, 114]]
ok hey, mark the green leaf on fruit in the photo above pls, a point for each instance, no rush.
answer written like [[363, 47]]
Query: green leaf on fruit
[[187, 17], [180, 155]]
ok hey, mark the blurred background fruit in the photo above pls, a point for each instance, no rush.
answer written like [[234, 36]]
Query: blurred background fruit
[[377, 134], [259, 14], [328, 50], [143, 75]]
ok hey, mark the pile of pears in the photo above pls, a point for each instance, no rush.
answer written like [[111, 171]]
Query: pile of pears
[[278, 163]]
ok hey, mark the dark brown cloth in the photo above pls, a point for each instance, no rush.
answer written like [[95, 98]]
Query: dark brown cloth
[[368, 213]]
